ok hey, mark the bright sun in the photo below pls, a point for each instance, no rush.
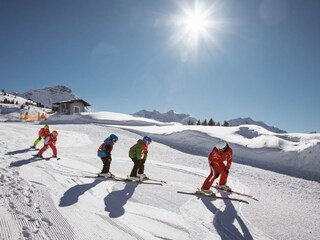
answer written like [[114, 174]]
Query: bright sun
[[195, 23]]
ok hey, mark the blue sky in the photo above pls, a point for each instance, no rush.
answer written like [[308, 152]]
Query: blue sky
[[219, 59]]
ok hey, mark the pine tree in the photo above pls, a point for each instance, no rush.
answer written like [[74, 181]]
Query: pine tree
[[211, 122], [225, 124], [204, 123], [198, 123]]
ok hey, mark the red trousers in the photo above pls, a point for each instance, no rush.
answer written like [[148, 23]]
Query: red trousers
[[45, 147], [216, 170]]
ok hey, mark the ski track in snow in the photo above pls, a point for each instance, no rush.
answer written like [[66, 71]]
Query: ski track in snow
[[32, 209]]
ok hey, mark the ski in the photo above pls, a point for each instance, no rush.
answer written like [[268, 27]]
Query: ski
[[120, 179], [45, 158], [48, 158], [212, 196], [155, 180], [36, 156], [138, 181], [238, 193]]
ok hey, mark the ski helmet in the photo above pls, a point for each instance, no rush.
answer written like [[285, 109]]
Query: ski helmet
[[55, 133], [221, 145], [46, 126], [147, 140], [113, 137]]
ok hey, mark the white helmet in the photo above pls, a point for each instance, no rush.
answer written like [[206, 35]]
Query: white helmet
[[221, 145]]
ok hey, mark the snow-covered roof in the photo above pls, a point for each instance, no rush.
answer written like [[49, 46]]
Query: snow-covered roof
[[73, 101]]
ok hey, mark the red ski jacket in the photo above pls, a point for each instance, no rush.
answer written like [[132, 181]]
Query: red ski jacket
[[216, 157], [43, 132], [51, 142]]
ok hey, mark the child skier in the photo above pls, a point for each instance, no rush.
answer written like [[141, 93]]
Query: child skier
[[104, 152], [220, 153], [49, 141], [138, 154], [43, 132]]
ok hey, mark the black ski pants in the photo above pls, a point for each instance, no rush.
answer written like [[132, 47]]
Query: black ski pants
[[138, 167], [106, 164]]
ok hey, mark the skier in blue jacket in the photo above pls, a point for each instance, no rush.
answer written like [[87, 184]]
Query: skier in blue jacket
[[104, 152]]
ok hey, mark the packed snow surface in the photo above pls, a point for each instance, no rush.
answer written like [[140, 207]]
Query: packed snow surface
[[60, 200]]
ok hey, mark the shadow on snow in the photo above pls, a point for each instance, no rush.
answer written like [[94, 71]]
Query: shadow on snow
[[24, 162], [116, 200], [19, 151], [71, 196], [223, 221]]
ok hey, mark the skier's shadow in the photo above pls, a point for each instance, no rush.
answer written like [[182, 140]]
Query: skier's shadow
[[71, 196], [24, 162], [223, 221], [116, 200], [18, 151]]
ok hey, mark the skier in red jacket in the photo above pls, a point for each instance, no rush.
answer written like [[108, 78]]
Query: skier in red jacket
[[49, 141], [221, 153], [43, 132]]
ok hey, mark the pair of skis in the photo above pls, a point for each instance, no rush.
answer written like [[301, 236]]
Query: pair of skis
[[121, 179], [213, 195], [46, 158], [238, 193]]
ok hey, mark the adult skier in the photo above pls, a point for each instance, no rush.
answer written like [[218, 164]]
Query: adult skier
[[49, 141], [104, 152], [220, 161], [138, 154], [43, 132]]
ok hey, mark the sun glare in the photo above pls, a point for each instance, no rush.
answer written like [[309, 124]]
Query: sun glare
[[195, 24]]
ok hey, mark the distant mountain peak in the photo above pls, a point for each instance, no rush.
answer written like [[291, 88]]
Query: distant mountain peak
[[170, 116], [49, 95], [248, 120]]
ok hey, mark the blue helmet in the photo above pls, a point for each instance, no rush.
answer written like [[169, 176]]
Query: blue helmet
[[113, 137], [147, 139]]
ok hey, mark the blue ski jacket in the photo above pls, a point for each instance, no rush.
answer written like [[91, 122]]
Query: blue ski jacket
[[105, 148]]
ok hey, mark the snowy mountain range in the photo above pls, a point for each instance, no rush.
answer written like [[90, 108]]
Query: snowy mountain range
[[249, 121], [48, 96], [170, 116]]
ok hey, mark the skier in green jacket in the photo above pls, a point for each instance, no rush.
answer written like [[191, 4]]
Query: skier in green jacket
[[138, 153]]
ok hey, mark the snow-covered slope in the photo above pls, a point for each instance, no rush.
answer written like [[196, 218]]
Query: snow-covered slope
[[292, 154], [169, 116], [18, 105], [249, 121], [54, 200], [48, 96]]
